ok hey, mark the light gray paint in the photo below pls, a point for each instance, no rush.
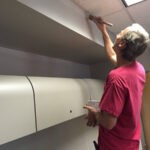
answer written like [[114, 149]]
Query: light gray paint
[[70, 135], [13, 62], [25, 29], [144, 59], [64, 12], [100, 70]]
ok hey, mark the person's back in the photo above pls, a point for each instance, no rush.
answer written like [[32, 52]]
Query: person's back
[[119, 114], [122, 98]]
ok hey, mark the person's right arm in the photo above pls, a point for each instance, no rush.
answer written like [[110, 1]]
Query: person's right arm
[[107, 40], [103, 118]]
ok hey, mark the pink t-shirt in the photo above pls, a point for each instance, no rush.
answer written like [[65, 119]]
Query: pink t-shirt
[[122, 98]]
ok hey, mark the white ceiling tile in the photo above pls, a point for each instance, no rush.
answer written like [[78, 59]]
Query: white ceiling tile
[[120, 20], [140, 14], [100, 7]]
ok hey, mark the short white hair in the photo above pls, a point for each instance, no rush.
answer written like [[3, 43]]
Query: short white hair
[[138, 28]]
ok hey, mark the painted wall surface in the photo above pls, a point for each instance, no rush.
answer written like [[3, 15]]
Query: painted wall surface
[[144, 59], [70, 135], [68, 14], [13, 62], [101, 70]]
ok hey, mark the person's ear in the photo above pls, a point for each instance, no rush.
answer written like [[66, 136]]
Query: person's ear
[[122, 44]]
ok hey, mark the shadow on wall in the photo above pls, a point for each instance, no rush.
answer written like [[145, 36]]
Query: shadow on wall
[[13, 62], [101, 70], [70, 135]]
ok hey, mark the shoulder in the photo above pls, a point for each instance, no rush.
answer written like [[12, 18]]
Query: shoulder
[[114, 74], [140, 66], [116, 78]]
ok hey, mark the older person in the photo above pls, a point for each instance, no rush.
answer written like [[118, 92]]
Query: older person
[[119, 110]]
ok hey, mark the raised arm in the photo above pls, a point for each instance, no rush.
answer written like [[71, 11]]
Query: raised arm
[[106, 38]]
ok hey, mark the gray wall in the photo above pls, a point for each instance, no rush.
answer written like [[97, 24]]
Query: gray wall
[[70, 135], [144, 59], [13, 62], [100, 70]]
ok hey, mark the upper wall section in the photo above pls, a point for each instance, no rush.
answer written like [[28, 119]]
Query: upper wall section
[[64, 12], [53, 28], [13, 62]]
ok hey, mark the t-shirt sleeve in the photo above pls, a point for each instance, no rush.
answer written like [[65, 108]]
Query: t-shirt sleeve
[[114, 97]]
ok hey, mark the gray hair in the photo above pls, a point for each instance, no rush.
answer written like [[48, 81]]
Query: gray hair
[[138, 28], [137, 40]]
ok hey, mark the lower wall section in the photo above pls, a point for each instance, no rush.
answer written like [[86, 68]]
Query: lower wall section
[[58, 99], [70, 135], [31, 104], [16, 99], [17, 114]]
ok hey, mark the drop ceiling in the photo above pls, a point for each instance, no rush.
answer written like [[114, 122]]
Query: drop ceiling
[[23, 28], [115, 12]]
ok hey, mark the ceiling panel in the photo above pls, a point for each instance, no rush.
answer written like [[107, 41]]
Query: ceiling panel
[[115, 12], [100, 7], [120, 21], [140, 13]]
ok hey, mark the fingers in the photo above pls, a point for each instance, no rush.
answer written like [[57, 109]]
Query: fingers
[[88, 107], [99, 21], [96, 19], [91, 124], [91, 121]]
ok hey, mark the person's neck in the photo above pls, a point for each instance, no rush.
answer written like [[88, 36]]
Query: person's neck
[[123, 62]]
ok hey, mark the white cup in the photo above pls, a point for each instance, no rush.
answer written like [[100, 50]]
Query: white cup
[[93, 103]]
